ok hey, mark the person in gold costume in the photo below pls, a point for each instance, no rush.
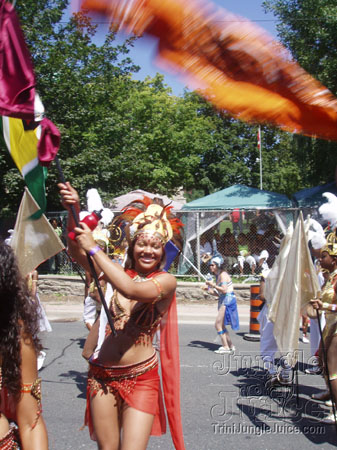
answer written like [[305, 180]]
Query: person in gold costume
[[328, 304], [124, 401]]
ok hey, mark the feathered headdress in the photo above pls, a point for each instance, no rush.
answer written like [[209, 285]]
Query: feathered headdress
[[146, 216], [329, 209], [329, 213], [331, 245]]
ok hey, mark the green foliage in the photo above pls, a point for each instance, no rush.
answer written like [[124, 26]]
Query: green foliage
[[307, 28], [119, 134]]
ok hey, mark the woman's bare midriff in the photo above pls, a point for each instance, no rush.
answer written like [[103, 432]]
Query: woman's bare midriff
[[121, 350]]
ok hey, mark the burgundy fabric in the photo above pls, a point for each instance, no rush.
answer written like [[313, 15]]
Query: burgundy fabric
[[49, 143], [17, 80]]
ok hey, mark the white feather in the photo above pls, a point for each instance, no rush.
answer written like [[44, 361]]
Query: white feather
[[329, 209], [107, 216], [83, 214], [316, 234], [94, 202]]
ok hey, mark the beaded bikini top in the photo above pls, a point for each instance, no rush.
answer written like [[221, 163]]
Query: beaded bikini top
[[141, 322]]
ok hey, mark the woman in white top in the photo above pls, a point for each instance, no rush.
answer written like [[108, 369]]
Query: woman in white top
[[227, 307]]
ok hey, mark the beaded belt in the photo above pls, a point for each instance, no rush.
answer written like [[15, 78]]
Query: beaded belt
[[118, 379], [117, 373], [11, 440]]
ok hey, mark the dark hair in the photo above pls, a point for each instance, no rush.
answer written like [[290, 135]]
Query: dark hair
[[18, 317]]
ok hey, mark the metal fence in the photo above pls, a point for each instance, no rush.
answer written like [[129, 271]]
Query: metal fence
[[247, 241]]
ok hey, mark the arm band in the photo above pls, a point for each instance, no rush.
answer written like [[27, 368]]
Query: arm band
[[159, 289], [94, 250], [35, 390], [333, 307]]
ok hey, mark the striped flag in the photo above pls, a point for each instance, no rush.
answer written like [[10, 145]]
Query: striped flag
[[22, 138], [31, 139]]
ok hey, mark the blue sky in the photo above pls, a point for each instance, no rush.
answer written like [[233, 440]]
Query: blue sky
[[143, 52]]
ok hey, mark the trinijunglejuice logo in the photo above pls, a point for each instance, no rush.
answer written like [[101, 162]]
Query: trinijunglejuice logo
[[251, 402]]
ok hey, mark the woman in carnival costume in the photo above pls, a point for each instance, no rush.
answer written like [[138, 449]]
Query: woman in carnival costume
[[328, 304], [123, 391], [20, 387], [227, 307]]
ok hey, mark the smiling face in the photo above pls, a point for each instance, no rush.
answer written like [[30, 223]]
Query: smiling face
[[328, 262], [147, 253]]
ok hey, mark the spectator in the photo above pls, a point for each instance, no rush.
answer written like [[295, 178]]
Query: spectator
[[205, 254], [230, 249], [227, 307], [236, 218]]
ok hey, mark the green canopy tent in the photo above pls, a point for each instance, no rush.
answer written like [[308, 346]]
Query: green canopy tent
[[242, 197], [205, 213]]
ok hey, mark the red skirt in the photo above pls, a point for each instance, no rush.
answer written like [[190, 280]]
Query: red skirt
[[138, 385]]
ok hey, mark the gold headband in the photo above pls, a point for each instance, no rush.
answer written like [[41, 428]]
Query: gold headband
[[153, 222], [331, 245]]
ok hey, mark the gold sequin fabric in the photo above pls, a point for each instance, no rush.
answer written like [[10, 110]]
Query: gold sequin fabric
[[328, 296], [141, 324]]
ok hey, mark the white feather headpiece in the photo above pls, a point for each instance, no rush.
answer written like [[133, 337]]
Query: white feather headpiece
[[316, 234], [329, 209]]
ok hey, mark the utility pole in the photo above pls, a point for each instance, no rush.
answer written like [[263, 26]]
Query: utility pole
[[259, 146]]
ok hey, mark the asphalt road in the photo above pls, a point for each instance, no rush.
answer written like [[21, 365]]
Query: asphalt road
[[224, 400]]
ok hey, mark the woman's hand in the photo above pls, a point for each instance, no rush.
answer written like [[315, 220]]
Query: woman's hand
[[84, 237], [316, 303], [69, 195], [211, 284]]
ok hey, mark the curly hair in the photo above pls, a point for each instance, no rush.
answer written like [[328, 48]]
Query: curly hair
[[19, 317]]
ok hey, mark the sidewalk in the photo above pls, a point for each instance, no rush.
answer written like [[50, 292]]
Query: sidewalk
[[192, 313]]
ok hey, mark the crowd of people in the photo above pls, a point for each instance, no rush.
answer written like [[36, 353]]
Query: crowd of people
[[124, 400], [244, 253]]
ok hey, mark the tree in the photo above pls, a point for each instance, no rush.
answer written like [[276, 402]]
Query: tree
[[307, 29], [73, 75], [118, 134]]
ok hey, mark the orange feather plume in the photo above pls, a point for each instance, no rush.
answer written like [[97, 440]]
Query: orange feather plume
[[236, 66]]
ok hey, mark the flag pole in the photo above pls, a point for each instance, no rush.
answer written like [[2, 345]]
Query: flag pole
[[259, 145], [90, 262]]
